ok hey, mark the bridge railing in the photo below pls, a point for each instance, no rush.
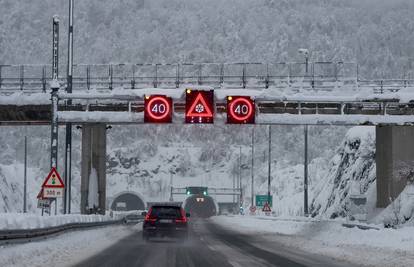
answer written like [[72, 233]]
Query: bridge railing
[[315, 75]]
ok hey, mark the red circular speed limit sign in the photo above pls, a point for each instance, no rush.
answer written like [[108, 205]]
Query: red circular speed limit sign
[[158, 109], [240, 109]]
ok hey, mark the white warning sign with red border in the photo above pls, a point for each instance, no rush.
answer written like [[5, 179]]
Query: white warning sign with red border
[[266, 208], [53, 185], [199, 106]]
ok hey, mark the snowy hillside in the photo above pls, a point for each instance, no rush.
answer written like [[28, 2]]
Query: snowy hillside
[[375, 33]]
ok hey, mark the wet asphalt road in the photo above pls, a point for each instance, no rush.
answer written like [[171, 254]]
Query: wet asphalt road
[[208, 245]]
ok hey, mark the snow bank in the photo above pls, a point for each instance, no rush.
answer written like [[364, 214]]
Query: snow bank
[[10, 221], [400, 211], [330, 232], [383, 247], [66, 249]]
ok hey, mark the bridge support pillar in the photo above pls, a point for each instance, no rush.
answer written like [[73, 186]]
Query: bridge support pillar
[[93, 169], [394, 161]]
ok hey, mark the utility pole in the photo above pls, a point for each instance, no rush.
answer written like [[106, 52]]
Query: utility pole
[[269, 167], [305, 53], [25, 176], [305, 182], [252, 189], [171, 186], [307, 64], [234, 188], [68, 147], [240, 183], [55, 88]]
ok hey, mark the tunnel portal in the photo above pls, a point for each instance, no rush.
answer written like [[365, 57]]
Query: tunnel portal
[[128, 201]]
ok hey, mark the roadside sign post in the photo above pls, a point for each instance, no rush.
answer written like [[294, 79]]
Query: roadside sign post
[[52, 189], [266, 209], [261, 200], [53, 185], [43, 203], [252, 210]]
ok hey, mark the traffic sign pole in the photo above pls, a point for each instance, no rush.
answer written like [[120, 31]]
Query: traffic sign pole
[[253, 166], [305, 182], [240, 182], [25, 176], [68, 149], [269, 167]]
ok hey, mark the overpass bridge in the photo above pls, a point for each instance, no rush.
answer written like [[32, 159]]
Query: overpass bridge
[[281, 91], [331, 93]]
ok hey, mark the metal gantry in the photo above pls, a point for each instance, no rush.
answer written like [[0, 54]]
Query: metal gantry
[[211, 191], [320, 76]]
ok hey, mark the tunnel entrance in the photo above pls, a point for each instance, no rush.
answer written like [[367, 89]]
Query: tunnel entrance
[[127, 201], [200, 206]]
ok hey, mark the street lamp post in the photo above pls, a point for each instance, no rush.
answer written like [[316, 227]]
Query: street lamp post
[[171, 185], [25, 176], [240, 182], [68, 146], [305, 53], [305, 182], [252, 167], [269, 161]]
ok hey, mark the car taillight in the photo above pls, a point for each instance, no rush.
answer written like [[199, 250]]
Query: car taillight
[[183, 218], [148, 217]]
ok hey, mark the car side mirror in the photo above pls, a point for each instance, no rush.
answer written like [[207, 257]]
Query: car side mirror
[[187, 214], [144, 213]]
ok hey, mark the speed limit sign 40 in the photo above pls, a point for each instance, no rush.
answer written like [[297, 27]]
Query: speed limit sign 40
[[240, 110], [158, 109]]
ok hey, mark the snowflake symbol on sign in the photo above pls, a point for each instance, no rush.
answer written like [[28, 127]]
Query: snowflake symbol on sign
[[199, 108]]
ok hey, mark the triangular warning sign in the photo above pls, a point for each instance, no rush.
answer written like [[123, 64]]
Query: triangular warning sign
[[266, 207], [53, 180], [199, 108]]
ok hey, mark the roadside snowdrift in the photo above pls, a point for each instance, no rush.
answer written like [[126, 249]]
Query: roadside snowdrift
[[383, 247], [400, 211]]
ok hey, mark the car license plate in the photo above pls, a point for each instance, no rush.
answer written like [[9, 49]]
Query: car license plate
[[166, 221]]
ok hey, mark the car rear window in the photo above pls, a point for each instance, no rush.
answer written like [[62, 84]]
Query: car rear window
[[170, 212]]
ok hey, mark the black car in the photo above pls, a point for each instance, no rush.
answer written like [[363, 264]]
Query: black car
[[165, 220]]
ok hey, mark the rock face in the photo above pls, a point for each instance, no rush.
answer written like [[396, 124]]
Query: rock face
[[351, 171]]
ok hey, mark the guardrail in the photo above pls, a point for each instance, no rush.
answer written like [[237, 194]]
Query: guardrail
[[27, 235]]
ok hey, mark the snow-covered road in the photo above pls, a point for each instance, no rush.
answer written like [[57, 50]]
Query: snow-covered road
[[208, 245], [228, 240], [383, 247]]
